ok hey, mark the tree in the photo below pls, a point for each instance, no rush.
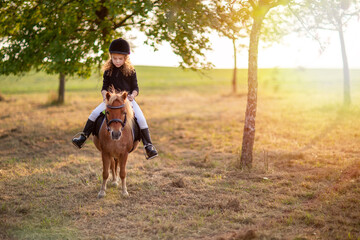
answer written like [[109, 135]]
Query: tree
[[69, 37], [185, 24], [239, 18], [258, 11], [62, 37], [333, 15], [233, 23]]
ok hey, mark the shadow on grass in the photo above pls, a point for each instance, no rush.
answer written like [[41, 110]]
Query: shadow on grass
[[340, 114]]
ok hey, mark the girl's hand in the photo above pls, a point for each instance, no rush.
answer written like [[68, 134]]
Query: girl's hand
[[103, 93], [131, 97]]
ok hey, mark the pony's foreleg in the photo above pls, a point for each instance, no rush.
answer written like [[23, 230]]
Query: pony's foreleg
[[123, 175], [106, 164], [114, 172]]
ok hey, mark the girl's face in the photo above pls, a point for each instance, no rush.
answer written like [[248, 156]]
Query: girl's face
[[118, 59]]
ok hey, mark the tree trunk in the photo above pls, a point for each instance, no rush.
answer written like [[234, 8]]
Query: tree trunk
[[250, 114], [346, 72], [61, 95], [235, 69]]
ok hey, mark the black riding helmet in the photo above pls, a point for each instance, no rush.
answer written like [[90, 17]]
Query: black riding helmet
[[120, 46]]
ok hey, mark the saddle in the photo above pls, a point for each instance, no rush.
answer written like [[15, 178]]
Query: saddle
[[100, 121]]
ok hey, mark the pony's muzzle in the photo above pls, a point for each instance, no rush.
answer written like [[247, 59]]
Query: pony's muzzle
[[115, 135]]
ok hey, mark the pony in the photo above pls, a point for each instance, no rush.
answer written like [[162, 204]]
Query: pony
[[115, 139]]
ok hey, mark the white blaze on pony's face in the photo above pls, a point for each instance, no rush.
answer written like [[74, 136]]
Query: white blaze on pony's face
[[116, 114]]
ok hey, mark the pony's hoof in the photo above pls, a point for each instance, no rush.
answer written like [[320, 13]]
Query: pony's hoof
[[101, 194], [114, 184], [125, 193]]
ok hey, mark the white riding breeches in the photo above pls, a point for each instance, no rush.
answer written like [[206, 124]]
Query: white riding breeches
[[137, 111]]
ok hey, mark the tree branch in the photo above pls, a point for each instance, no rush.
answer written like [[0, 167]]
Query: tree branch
[[63, 5], [252, 3], [137, 23], [323, 28], [117, 25], [352, 13], [305, 27], [121, 23], [277, 3]]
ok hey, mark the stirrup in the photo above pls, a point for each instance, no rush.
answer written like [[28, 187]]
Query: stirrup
[[145, 153], [78, 135]]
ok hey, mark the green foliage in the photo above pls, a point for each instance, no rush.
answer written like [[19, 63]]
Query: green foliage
[[62, 36], [185, 25], [233, 19], [70, 37]]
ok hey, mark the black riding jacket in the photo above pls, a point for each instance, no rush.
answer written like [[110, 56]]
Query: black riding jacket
[[120, 81]]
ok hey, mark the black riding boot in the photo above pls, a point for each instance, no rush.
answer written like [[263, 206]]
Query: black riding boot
[[149, 148], [88, 129]]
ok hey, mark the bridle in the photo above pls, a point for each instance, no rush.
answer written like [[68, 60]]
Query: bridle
[[115, 119]]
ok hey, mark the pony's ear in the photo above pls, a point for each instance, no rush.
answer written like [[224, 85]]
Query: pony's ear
[[124, 95], [108, 96]]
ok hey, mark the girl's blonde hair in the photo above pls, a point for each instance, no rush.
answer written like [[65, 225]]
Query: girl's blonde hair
[[127, 68]]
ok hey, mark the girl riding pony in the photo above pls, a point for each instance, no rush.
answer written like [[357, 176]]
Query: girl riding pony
[[119, 73]]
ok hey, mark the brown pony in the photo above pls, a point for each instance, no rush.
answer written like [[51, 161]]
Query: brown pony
[[115, 139]]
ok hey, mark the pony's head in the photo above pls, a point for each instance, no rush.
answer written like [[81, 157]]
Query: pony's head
[[118, 113]]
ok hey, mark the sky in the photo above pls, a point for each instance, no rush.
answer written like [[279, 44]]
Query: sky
[[293, 51]]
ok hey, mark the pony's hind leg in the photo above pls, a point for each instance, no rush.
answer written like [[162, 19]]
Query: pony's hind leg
[[106, 165], [114, 172], [123, 175]]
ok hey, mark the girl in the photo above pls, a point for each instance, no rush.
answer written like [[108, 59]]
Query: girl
[[119, 72]]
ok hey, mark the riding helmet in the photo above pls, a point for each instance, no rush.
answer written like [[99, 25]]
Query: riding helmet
[[120, 46]]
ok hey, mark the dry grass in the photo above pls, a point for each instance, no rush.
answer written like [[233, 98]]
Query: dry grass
[[305, 183]]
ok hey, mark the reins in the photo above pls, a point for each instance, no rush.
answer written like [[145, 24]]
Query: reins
[[123, 123]]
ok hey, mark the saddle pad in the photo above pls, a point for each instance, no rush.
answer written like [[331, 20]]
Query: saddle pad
[[136, 131], [98, 122]]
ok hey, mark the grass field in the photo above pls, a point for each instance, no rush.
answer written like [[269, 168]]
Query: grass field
[[305, 183]]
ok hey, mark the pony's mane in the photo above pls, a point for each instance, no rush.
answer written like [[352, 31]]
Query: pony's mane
[[129, 110]]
